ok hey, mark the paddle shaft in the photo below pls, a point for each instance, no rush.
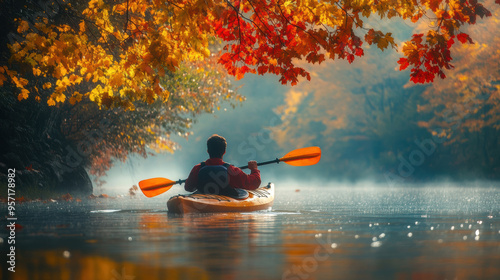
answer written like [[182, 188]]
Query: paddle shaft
[[263, 163]]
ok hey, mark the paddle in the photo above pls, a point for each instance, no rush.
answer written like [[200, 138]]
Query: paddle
[[299, 157]]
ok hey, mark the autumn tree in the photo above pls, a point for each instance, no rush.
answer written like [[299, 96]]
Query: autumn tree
[[465, 107], [77, 131], [195, 89], [123, 48], [116, 54], [373, 124]]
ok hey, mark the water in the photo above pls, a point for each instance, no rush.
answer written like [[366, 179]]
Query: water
[[315, 233]]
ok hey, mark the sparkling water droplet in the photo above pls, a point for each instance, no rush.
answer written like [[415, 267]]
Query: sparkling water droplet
[[329, 230], [129, 238], [376, 244], [370, 225], [334, 245], [416, 223], [410, 234], [470, 226], [408, 227], [477, 232], [318, 235], [432, 228], [465, 237], [476, 238], [374, 239], [461, 225], [480, 222], [66, 254], [452, 227], [357, 236], [382, 235]]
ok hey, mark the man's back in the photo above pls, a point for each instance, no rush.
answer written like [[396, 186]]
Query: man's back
[[214, 176]]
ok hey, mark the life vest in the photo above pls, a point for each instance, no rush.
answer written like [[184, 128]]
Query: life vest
[[213, 179]]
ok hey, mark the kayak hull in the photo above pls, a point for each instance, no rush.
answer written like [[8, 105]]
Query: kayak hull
[[259, 199]]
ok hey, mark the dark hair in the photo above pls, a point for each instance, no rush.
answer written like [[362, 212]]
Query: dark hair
[[216, 146]]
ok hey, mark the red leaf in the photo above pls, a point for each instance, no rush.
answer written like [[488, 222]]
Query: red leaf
[[262, 69], [463, 38], [350, 58], [451, 42], [482, 11], [359, 52], [404, 63]]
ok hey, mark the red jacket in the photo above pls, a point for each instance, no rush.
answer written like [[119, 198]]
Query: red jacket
[[237, 178]]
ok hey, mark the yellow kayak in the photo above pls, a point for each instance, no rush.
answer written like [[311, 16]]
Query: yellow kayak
[[259, 199]]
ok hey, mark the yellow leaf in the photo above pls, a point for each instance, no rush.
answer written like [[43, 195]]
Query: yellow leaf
[[75, 79], [51, 102], [60, 97], [116, 80], [82, 26], [382, 43], [47, 85], [23, 26], [23, 95], [205, 52]]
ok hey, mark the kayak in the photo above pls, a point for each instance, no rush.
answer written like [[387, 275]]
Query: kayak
[[259, 199]]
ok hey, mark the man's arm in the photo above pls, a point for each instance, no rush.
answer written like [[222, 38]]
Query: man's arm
[[192, 181], [240, 179]]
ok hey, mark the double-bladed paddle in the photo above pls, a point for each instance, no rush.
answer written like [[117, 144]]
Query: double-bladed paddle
[[299, 157]]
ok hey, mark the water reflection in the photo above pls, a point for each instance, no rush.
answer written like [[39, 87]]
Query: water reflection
[[52, 264], [339, 236]]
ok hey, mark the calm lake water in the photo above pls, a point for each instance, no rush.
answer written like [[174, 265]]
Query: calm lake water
[[433, 232]]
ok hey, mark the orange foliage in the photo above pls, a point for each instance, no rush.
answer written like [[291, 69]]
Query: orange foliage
[[122, 49], [468, 100]]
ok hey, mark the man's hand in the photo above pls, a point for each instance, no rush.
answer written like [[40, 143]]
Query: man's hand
[[252, 165]]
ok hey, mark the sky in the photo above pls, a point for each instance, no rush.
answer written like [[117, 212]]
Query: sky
[[276, 119]]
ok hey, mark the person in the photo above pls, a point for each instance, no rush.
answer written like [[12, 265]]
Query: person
[[214, 176]]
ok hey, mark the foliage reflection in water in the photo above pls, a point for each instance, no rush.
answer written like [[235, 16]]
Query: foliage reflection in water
[[338, 233]]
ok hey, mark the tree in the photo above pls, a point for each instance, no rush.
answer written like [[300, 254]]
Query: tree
[[119, 54], [80, 129], [195, 88], [381, 123], [464, 109], [123, 48]]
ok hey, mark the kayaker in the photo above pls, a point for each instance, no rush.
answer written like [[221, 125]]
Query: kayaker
[[214, 176]]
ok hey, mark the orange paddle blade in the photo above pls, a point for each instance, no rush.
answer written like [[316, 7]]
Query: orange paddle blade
[[155, 186], [303, 157]]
